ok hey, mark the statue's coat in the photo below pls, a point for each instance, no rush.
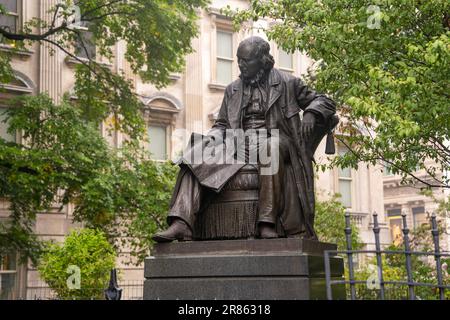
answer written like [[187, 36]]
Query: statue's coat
[[288, 96]]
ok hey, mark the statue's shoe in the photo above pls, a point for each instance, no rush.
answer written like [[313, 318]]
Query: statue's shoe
[[178, 230], [267, 231]]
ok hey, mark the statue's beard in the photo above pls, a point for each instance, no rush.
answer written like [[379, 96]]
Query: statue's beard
[[260, 76]]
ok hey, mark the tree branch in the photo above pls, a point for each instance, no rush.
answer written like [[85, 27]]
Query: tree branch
[[108, 4], [381, 158], [32, 37]]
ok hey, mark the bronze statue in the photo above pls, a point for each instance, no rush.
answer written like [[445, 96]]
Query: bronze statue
[[267, 100]]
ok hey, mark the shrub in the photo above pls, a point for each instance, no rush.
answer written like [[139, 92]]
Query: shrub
[[79, 268], [330, 224]]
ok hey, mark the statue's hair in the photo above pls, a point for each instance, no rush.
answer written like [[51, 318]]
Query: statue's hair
[[262, 50]]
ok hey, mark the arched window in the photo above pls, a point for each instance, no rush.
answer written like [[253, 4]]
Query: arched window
[[160, 114], [21, 84]]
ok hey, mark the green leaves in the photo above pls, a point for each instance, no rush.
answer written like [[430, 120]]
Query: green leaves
[[330, 224], [66, 160], [156, 36], [105, 94], [157, 33], [79, 268]]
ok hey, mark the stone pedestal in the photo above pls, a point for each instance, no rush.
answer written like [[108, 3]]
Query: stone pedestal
[[272, 269]]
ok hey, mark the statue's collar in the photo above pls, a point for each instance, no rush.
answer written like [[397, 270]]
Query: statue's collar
[[274, 77]]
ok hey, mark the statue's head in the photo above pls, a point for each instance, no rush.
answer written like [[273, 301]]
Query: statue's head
[[253, 57]]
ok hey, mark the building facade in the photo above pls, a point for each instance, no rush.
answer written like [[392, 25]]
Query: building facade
[[409, 200], [189, 104]]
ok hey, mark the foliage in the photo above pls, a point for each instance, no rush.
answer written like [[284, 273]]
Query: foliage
[[129, 200], [86, 249], [66, 160], [61, 153], [63, 158], [394, 269], [157, 35], [386, 63], [330, 224]]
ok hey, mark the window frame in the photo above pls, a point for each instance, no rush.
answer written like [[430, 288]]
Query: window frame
[[415, 213], [282, 68], [11, 91], [223, 58], [15, 136], [167, 140], [224, 24], [83, 30], [16, 286], [393, 221], [387, 170], [18, 23], [350, 178]]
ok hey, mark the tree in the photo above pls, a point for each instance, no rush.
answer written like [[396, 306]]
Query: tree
[[330, 224], [120, 191], [79, 268], [64, 159], [157, 33], [386, 63]]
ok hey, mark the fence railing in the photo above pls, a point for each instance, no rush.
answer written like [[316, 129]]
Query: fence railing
[[407, 252], [131, 290]]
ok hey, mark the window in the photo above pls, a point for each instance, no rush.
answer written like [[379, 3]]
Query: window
[[285, 61], [10, 20], [394, 216], [387, 169], [158, 142], [394, 212], [345, 182], [224, 62], [396, 225], [4, 127], [85, 46], [419, 216], [8, 276]]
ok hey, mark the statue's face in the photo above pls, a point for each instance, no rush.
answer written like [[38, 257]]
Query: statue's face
[[249, 63]]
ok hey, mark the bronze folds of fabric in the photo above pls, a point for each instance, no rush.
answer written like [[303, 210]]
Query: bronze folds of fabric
[[233, 214]]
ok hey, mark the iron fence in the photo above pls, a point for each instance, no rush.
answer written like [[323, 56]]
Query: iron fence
[[38, 290], [381, 290]]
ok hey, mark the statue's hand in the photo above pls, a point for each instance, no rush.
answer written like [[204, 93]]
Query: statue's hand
[[307, 125]]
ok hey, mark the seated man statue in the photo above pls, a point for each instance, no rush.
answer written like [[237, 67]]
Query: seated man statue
[[267, 100]]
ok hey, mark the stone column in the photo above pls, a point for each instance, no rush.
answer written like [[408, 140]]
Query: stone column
[[194, 89], [51, 59]]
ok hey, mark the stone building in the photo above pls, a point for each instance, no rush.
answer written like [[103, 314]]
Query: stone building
[[189, 104], [407, 199]]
